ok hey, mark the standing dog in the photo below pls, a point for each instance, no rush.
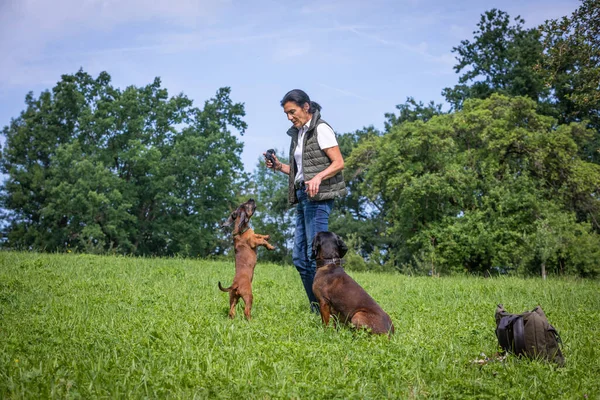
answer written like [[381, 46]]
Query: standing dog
[[339, 294], [245, 242]]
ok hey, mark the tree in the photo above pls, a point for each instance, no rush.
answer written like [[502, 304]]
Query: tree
[[361, 218], [502, 58], [556, 64], [571, 67], [96, 168], [356, 214], [467, 191], [412, 111]]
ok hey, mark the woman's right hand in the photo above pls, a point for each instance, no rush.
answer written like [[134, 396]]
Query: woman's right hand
[[276, 165]]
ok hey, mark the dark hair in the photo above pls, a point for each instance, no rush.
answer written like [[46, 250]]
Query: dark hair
[[300, 98]]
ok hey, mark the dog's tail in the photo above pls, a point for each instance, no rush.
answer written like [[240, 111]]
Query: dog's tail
[[224, 289]]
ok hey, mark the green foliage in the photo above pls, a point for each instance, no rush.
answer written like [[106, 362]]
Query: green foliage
[[412, 111], [357, 258], [95, 168], [571, 67], [361, 217], [556, 64], [356, 214], [496, 184], [273, 215], [82, 326], [503, 180], [471, 190], [502, 58]]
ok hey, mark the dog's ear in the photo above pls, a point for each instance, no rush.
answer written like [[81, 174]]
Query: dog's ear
[[243, 220], [316, 245], [341, 246], [230, 220]]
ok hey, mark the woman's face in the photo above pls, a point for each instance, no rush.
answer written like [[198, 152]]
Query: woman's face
[[297, 115]]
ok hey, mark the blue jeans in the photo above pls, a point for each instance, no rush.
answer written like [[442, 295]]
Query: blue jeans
[[311, 217]]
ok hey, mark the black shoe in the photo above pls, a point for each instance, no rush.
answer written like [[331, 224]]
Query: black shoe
[[314, 308]]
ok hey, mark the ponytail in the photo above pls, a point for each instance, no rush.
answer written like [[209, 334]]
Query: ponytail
[[314, 106]]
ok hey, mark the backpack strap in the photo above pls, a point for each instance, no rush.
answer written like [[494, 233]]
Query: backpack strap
[[519, 335], [511, 334], [504, 331], [555, 333]]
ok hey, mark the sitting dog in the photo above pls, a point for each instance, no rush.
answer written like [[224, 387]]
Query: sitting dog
[[339, 294], [245, 242]]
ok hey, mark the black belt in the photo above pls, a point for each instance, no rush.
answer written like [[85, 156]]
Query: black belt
[[299, 185]]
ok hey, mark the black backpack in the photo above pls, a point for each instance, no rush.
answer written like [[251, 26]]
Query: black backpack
[[528, 334]]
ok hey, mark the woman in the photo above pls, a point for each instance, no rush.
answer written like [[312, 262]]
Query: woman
[[315, 178]]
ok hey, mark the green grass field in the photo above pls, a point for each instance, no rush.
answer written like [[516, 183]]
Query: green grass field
[[115, 327]]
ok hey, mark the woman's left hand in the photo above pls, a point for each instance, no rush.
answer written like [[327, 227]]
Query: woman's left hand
[[337, 164], [312, 186]]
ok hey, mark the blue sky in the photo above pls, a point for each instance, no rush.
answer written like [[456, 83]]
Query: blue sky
[[358, 59]]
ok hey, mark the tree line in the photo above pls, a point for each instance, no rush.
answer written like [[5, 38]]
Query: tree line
[[507, 178], [98, 169]]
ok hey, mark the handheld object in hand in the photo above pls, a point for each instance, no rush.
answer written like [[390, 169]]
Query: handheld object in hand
[[269, 156]]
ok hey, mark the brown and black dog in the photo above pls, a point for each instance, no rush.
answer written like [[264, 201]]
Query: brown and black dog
[[245, 242], [339, 294]]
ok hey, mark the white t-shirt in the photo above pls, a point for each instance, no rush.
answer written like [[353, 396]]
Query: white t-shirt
[[325, 137]]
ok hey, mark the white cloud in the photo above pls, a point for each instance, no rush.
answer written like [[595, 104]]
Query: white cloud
[[421, 49], [345, 92], [59, 16], [33, 31], [292, 49]]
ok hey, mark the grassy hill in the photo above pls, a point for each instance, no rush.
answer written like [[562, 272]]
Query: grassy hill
[[116, 327]]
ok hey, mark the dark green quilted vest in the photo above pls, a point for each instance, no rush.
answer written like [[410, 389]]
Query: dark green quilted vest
[[314, 160]]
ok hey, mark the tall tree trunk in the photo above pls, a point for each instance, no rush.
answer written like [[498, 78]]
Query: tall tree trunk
[[544, 270]]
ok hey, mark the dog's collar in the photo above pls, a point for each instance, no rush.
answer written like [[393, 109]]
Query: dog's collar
[[242, 232], [328, 261]]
